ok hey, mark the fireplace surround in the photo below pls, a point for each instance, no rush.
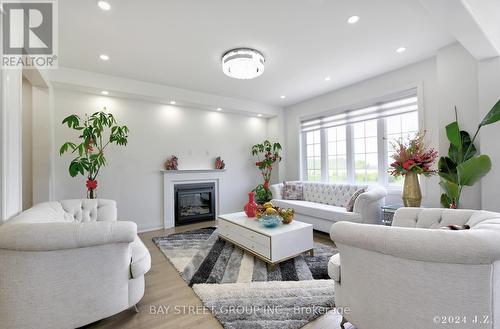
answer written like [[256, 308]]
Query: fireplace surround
[[171, 178]]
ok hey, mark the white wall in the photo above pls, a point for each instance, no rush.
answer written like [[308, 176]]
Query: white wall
[[448, 79], [458, 86], [27, 144], [489, 94], [11, 143], [157, 131]]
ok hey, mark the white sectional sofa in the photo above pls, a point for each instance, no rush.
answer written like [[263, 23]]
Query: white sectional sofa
[[415, 274], [67, 264], [324, 204]]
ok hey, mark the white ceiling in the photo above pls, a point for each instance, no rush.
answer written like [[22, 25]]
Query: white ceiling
[[180, 42]]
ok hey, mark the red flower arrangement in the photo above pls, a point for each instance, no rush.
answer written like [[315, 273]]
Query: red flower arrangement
[[413, 156]]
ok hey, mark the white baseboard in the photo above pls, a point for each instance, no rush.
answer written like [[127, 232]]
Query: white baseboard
[[150, 229]]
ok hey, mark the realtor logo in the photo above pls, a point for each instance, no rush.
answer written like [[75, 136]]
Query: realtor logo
[[29, 32]]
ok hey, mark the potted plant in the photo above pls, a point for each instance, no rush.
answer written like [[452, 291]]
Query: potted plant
[[267, 155], [412, 158], [98, 131], [463, 166]]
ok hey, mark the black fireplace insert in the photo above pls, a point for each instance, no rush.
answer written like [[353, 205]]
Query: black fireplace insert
[[194, 203]]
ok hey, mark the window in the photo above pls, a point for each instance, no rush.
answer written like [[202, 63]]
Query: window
[[313, 155], [355, 146], [337, 154], [365, 151]]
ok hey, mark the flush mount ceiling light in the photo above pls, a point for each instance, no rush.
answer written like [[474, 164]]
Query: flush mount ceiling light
[[401, 50], [243, 63], [104, 5], [353, 19], [104, 57]]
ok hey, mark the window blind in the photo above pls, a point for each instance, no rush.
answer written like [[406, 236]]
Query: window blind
[[404, 102]]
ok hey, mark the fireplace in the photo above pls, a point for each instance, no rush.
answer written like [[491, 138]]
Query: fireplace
[[194, 203]]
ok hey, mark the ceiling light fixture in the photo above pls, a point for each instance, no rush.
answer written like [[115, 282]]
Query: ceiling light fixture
[[327, 79], [173, 102], [219, 109], [104, 57], [243, 63], [105, 92], [104, 5], [259, 115], [353, 19], [401, 50], [282, 96]]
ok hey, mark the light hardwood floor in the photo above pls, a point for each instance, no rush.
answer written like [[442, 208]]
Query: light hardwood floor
[[165, 287]]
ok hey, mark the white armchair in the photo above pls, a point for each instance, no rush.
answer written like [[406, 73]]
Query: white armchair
[[415, 275], [69, 263]]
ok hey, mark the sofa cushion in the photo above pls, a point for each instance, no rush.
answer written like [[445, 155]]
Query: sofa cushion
[[141, 259], [323, 211], [334, 267], [331, 194]]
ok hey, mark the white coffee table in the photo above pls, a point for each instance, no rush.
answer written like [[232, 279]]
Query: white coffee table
[[272, 245]]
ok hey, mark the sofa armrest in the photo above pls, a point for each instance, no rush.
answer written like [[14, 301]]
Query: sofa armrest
[[474, 246], [64, 235], [334, 267], [368, 204], [276, 191]]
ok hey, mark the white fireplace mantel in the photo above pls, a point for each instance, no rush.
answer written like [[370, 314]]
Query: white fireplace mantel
[[187, 176]]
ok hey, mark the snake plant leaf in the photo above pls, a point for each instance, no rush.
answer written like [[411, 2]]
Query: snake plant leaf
[[453, 134], [451, 189], [492, 116], [472, 170]]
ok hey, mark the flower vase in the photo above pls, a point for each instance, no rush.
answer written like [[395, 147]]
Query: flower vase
[[412, 196], [91, 187], [251, 207]]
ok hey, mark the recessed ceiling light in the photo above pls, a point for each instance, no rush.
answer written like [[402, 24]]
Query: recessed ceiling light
[[282, 96], [259, 115], [104, 57], [105, 92], [401, 50], [219, 109], [173, 102], [353, 19], [243, 63], [104, 5], [327, 79]]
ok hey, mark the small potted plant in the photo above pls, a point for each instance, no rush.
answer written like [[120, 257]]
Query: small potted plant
[[412, 157]]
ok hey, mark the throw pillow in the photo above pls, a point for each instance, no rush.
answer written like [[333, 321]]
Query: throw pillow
[[293, 191], [350, 204]]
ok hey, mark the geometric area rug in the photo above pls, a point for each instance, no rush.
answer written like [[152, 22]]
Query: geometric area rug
[[244, 292]]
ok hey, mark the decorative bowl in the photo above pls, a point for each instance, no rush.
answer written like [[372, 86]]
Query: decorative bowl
[[270, 221]]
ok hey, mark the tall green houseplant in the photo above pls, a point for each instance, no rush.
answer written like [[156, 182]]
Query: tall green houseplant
[[463, 166], [97, 132]]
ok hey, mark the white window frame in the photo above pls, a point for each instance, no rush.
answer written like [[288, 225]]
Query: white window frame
[[382, 145]]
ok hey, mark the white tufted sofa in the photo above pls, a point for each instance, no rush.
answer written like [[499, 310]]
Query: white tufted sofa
[[415, 275], [69, 263], [324, 203]]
